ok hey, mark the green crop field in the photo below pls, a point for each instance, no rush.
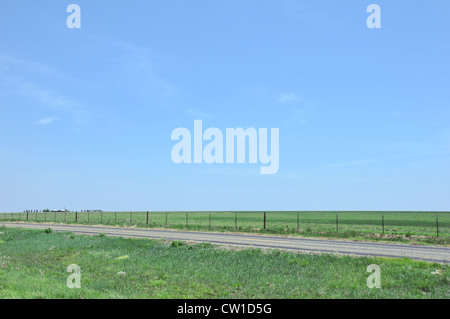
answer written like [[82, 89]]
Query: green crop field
[[392, 225], [33, 264]]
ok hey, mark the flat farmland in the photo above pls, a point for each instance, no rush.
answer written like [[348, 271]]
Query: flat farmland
[[327, 223]]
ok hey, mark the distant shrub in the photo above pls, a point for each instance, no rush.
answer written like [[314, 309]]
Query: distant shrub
[[48, 231], [177, 243]]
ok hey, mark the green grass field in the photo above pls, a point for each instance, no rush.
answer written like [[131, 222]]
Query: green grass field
[[420, 226], [33, 264]]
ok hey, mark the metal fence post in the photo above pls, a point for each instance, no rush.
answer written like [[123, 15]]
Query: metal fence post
[[235, 220], [382, 221], [27, 216], [210, 220], [187, 221], [167, 219], [147, 218], [76, 217], [88, 217], [264, 220], [437, 226], [131, 217], [337, 223], [298, 222]]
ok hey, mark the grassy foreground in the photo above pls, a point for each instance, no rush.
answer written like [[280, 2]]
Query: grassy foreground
[[33, 264]]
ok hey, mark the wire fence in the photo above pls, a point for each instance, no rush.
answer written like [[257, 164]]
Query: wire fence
[[383, 223]]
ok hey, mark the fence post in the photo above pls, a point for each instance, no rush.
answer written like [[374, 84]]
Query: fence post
[[115, 217], [235, 221], [298, 222], [437, 226], [187, 216], [131, 217], [209, 220], [27, 216], [382, 221], [264, 220], [337, 223], [76, 217], [88, 217]]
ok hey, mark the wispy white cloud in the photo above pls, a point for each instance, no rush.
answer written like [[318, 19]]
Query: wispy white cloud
[[36, 81], [288, 97], [401, 157], [54, 101], [9, 62], [46, 120], [297, 106], [355, 163], [139, 67]]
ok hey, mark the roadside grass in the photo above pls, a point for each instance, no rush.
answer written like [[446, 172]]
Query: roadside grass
[[33, 264], [405, 227]]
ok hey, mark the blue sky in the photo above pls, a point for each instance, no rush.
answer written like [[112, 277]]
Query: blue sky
[[86, 115]]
